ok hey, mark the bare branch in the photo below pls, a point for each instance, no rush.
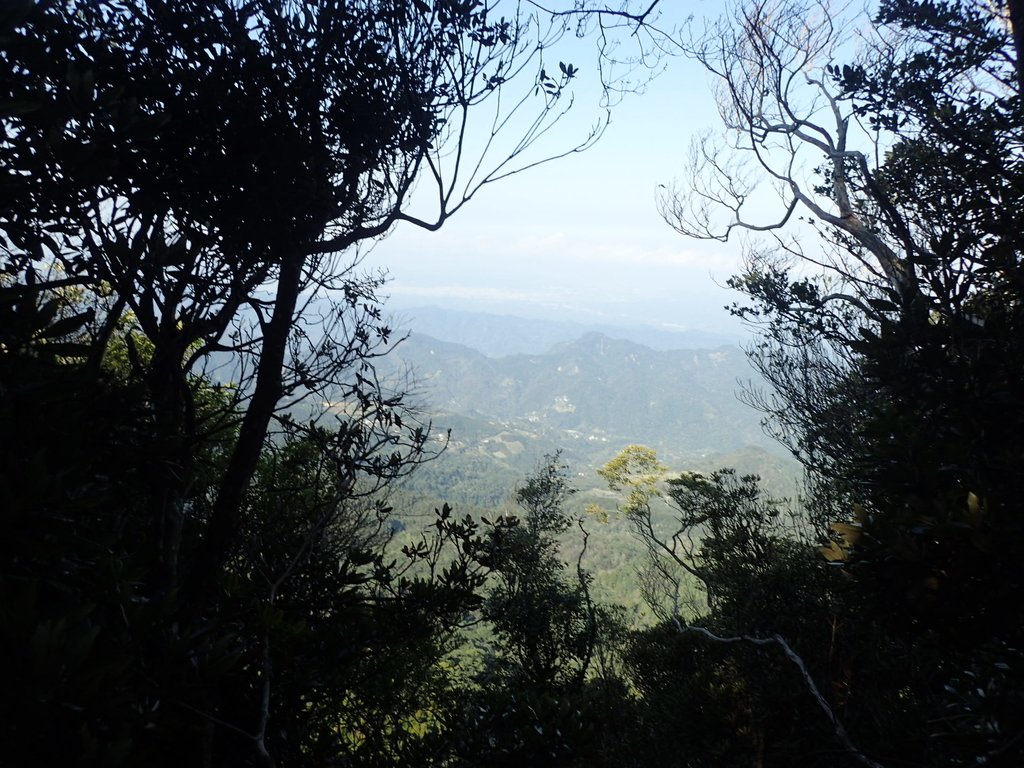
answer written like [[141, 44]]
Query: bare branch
[[777, 640]]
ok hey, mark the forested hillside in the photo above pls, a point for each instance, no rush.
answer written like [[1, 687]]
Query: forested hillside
[[245, 524], [594, 390], [585, 399]]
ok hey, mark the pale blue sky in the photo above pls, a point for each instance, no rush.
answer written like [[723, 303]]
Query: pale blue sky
[[581, 238]]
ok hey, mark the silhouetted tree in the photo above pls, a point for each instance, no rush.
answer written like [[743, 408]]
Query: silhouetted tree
[[892, 349], [185, 190]]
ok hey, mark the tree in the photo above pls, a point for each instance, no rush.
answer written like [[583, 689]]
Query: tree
[[183, 200], [891, 347], [546, 624], [547, 694], [747, 652], [184, 184], [322, 641]]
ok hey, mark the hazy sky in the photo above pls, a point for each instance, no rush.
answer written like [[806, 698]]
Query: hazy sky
[[581, 238]]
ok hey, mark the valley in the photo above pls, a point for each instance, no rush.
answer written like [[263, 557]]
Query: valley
[[587, 398]]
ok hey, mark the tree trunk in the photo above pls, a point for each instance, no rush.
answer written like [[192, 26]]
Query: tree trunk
[[227, 509], [1016, 9], [172, 460]]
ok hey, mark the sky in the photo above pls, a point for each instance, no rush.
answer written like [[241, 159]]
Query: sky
[[580, 238]]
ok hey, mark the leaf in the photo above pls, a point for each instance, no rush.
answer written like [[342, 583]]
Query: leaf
[[848, 531], [68, 325], [833, 552], [859, 514], [882, 305], [975, 510]]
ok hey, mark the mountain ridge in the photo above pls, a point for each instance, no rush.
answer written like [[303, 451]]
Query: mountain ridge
[[500, 335], [593, 388]]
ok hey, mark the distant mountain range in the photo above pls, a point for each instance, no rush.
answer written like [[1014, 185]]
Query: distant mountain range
[[502, 335], [589, 396], [594, 389]]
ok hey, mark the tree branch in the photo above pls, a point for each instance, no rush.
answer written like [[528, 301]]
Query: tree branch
[[777, 640]]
